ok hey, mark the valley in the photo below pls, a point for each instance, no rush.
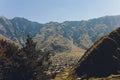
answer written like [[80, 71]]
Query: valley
[[66, 42]]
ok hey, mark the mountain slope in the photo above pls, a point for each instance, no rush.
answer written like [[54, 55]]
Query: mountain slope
[[100, 62], [102, 59], [17, 28], [82, 33]]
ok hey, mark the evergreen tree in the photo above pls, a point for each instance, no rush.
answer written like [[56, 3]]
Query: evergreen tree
[[33, 68], [7, 60], [24, 63]]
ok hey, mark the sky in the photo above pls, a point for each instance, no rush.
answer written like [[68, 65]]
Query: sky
[[44, 11]]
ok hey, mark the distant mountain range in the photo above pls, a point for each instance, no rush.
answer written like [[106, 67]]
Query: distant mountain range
[[56, 36]]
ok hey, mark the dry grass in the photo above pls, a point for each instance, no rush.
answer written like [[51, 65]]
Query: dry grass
[[111, 77], [64, 75]]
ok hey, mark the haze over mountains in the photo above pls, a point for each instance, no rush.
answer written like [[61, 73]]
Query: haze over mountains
[[58, 36]]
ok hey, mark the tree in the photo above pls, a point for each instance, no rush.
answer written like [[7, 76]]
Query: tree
[[7, 59], [32, 66], [22, 64]]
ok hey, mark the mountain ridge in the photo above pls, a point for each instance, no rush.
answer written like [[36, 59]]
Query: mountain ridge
[[82, 33]]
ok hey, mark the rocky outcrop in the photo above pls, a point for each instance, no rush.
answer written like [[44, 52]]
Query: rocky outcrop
[[102, 59]]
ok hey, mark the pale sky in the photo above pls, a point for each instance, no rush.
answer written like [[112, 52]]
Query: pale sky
[[43, 11]]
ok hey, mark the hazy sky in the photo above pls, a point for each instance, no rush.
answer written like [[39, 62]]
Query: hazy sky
[[58, 10]]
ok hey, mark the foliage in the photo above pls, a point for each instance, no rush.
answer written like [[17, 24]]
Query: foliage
[[22, 64]]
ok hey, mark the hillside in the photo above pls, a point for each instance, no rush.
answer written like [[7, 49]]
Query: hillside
[[68, 41], [51, 35], [100, 62], [102, 59]]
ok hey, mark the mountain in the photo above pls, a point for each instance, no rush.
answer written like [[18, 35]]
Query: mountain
[[102, 59], [100, 62], [58, 35], [17, 28], [70, 39]]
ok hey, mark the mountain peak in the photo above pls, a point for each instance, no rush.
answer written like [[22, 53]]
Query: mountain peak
[[4, 18], [20, 18]]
